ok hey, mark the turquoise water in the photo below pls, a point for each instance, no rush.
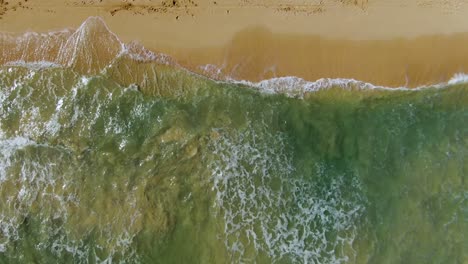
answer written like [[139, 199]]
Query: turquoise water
[[127, 167]]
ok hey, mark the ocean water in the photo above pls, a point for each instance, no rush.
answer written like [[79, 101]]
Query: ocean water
[[112, 154]]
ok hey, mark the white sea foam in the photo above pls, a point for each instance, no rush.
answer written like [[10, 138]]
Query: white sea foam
[[47, 183], [92, 47], [45, 180], [458, 78], [9, 223], [79, 44], [268, 208], [33, 65], [297, 87], [85, 80], [7, 148], [211, 70]]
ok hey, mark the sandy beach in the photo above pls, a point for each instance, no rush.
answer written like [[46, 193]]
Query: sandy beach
[[233, 131], [391, 43]]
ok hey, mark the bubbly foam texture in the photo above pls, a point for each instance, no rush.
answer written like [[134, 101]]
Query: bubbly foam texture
[[35, 65], [211, 71], [267, 206], [88, 50], [65, 109], [40, 179], [297, 87], [459, 78], [33, 176], [268, 209], [83, 51]]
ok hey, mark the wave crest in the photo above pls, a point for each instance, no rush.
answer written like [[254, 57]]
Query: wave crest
[[88, 50], [93, 49]]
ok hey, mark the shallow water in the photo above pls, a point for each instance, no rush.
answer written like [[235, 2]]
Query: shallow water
[[142, 162]]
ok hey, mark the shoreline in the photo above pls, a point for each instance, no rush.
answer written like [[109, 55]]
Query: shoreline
[[395, 57], [393, 63]]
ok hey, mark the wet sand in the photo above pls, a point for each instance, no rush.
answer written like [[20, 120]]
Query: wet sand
[[257, 54], [391, 43]]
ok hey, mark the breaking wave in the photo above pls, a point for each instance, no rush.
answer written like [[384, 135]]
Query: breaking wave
[[267, 209], [82, 50], [114, 153]]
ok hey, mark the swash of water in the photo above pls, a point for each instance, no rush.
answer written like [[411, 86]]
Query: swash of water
[[144, 162]]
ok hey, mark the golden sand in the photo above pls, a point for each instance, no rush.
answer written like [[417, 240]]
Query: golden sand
[[392, 43], [257, 54]]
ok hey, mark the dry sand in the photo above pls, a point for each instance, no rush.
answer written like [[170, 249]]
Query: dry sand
[[386, 42]]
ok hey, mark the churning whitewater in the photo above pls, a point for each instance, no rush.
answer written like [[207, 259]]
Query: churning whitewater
[[110, 153]]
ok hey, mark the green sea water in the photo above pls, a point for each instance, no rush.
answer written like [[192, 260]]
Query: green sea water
[[95, 172], [110, 154]]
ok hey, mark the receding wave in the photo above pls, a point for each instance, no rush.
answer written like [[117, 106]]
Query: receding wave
[[112, 153], [83, 51]]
